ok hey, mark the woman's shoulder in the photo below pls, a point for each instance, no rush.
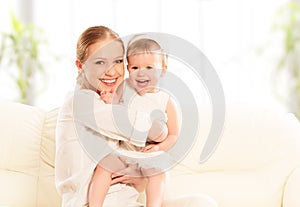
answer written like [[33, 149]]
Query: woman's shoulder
[[79, 96]]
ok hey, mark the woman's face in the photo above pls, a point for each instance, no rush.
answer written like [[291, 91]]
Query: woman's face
[[104, 67]]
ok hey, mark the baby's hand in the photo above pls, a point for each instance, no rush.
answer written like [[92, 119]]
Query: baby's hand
[[107, 96], [151, 148]]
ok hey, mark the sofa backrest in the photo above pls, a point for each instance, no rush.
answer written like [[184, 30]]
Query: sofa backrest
[[27, 149], [252, 137]]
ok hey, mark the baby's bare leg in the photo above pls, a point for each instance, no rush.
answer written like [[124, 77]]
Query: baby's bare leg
[[99, 186], [102, 179], [155, 190]]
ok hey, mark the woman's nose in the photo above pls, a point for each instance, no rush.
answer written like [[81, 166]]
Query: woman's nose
[[111, 70]]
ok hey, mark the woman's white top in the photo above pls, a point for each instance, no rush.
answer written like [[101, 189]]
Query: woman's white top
[[82, 118]]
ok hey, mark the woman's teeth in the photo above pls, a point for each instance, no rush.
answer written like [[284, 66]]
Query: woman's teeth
[[108, 80]]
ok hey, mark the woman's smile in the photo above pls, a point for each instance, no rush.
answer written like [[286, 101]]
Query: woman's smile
[[109, 81]]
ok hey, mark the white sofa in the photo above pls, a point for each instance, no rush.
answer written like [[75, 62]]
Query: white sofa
[[256, 164]]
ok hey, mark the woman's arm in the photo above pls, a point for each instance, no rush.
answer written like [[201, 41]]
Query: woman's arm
[[115, 120], [139, 183]]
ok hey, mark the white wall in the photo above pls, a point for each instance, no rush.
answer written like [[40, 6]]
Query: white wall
[[228, 32]]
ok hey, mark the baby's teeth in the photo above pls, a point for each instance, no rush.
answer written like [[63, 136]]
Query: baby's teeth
[[142, 81]]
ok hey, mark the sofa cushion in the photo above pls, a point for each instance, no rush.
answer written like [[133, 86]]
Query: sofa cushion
[[20, 141], [48, 143], [236, 188], [17, 189], [45, 185]]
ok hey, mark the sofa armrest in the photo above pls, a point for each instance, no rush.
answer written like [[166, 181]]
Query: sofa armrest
[[292, 188]]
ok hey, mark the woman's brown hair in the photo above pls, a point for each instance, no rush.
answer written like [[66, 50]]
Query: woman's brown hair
[[91, 36]]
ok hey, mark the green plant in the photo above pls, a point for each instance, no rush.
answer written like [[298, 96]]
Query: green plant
[[20, 52], [287, 24]]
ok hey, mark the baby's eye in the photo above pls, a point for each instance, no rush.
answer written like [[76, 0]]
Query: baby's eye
[[119, 61], [100, 62], [134, 67], [149, 67]]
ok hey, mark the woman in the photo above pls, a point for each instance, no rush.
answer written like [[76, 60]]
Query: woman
[[100, 70]]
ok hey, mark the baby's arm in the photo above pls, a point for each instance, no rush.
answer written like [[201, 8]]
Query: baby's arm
[[172, 130], [158, 131]]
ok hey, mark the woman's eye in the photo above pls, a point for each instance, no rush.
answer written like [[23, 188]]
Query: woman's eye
[[119, 61], [100, 62]]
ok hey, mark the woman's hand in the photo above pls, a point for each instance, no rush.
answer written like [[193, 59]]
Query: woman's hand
[[138, 182], [161, 146]]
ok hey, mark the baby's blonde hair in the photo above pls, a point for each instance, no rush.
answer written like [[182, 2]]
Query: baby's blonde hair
[[143, 45]]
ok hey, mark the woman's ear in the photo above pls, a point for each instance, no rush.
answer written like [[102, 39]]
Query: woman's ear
[[79, 66], [80, 76]]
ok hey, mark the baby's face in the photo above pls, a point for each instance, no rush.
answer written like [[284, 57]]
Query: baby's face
[[144, 71]]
